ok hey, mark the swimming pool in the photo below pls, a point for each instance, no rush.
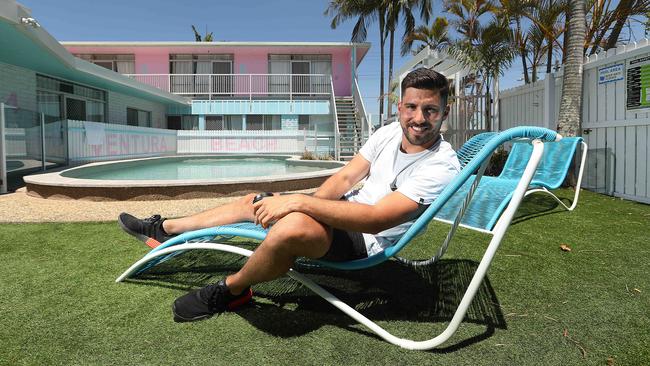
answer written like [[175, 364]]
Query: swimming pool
[[181, 177]]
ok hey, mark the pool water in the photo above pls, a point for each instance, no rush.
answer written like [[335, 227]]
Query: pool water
[[195, 168]]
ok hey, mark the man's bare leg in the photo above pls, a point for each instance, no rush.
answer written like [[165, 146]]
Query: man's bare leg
[[295, 235], [230, 213]]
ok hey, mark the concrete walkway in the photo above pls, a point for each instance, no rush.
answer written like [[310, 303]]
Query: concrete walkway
[[19, 207]]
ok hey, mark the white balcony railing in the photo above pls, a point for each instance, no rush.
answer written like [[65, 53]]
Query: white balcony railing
[[249, 86]]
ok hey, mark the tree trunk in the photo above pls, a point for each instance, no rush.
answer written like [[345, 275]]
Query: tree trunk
[[549, 56], [389, 113], [524, 65], [522, 51], [622, 13], [569, 122]]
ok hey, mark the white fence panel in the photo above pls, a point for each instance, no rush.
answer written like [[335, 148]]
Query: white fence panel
[[617, 137], [522, 106], [641, 181], [96, 141], [241, 142]]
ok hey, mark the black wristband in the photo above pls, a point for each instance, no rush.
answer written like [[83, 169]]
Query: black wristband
[[261, 196]]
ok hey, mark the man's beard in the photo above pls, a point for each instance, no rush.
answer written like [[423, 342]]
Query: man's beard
[[429, 136]]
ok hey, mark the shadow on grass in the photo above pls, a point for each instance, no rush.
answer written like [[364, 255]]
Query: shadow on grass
[[389, 292], [538, 205]]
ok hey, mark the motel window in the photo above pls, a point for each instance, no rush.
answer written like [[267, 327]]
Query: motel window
[[303, 122], [136, 117], [194, 75], [222, 123], [70, 100], [200, 64], [300, 64], [190, 122], [124, 64], [49, 103], [297, 65], [256, 122]]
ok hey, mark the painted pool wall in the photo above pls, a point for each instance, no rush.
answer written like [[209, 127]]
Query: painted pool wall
[[94, 141], [246, 59]]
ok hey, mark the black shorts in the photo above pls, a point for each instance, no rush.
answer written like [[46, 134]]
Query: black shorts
[[346, 246]]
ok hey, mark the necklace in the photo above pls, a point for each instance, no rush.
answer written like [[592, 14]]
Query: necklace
[[431, 150]]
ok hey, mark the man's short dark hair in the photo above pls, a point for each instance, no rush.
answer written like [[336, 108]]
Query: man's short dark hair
[[424, 78]]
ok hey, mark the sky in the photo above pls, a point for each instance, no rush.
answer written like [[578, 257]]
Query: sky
[[165, 20], [251, 20]]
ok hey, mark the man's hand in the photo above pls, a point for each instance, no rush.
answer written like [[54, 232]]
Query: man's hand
[[271, 209]]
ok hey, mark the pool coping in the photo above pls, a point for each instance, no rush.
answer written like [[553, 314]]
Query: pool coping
[[54, 185]]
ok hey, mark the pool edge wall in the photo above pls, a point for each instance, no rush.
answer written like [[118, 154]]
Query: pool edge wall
[[170, 192]]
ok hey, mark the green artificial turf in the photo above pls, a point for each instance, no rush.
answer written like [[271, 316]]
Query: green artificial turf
[[539, 305]]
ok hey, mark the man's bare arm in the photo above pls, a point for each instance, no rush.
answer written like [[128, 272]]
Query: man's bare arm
[[390, 211], [341, 182]]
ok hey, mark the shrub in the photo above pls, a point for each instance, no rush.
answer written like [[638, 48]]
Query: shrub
[[310, 155], [497, 162]]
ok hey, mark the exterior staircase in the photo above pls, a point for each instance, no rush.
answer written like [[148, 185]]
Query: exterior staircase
[[350, 138]]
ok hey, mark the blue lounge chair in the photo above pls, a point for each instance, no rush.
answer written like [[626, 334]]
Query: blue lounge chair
[[494, 193], [553, 168], [482, 150]]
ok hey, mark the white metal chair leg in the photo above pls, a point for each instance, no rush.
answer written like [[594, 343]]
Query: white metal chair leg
[[581, 171]]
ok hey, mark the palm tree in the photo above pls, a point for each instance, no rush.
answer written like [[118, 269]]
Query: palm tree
[[490, 53], [546, 18], [366, 12], [512, 11], [198, 38], [436, 36], [535, 48], [569, 122], [605, 25], [468, 13], [403, 9]]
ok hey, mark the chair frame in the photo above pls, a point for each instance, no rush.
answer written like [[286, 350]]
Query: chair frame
[[581, 171], [179, 244]]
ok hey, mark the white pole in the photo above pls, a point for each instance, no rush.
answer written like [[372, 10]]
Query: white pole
[[43, 165], [3, 151]]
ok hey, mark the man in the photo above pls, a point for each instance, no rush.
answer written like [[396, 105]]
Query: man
[[407, 164]]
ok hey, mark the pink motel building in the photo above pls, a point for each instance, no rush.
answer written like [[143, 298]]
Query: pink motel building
[[244, 86], [65, 103]]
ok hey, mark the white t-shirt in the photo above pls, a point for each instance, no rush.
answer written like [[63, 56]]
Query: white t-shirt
[[420, 177]]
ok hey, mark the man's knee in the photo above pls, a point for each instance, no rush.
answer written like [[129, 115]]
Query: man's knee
[[300, 234]]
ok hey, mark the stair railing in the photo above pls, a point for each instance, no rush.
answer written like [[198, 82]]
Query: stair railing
[[366, 126], [337, 141]]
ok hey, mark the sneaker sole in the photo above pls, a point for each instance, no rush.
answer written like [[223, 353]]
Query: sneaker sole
[[150, 242], [232, 306], [180, 319]]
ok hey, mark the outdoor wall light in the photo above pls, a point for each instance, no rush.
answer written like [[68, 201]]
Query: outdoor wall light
[[30, 21]]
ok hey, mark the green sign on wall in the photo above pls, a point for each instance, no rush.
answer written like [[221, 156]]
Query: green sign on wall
[[638, 83]]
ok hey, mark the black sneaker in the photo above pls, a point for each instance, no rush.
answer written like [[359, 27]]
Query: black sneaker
[[210, 300], [149, 230]]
